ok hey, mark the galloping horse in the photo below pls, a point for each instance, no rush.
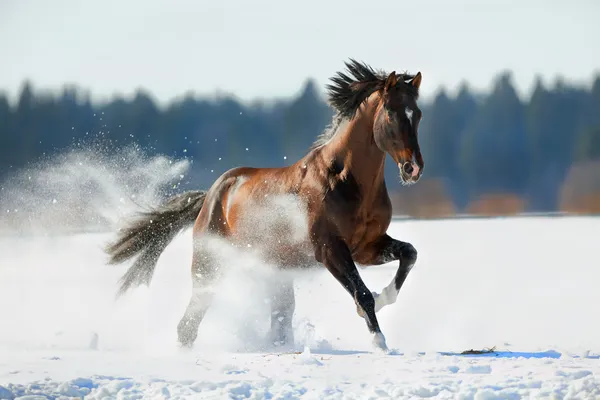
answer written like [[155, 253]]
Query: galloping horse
[[337, 189]]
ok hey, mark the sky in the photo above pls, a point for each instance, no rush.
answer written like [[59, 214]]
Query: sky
[[268, 49]]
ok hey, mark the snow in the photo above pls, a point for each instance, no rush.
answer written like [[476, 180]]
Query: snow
[[525, 285]]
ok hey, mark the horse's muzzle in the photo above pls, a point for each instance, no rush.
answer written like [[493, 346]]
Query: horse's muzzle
[[410, 172]]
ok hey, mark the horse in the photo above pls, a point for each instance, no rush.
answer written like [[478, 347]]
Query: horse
[[338, 190]]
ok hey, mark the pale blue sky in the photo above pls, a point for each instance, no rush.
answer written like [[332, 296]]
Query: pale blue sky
[[263, 48]]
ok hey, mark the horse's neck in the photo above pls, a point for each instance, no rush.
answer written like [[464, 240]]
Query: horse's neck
[[355, 147]]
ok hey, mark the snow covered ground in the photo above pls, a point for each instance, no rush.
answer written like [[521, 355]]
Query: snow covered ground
[[528, 286]]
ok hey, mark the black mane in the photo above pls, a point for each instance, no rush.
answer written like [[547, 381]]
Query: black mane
[[347, 92]]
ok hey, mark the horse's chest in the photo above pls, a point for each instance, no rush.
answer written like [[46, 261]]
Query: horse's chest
[[368, 228], [361, 213]]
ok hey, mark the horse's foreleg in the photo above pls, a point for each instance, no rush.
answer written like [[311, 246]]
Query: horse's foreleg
[[333, 252], [283, 304], [387, 249]]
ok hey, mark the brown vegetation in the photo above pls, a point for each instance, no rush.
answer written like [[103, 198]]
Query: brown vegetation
[[580, 193], [498, 204]]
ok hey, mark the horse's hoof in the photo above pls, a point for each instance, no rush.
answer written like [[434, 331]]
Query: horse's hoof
[[185, 348], [379, 343]]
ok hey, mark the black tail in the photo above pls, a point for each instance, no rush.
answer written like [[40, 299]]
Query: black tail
[[150, 234]]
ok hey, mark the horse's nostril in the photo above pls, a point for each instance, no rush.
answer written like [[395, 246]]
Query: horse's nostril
[[407, 167]]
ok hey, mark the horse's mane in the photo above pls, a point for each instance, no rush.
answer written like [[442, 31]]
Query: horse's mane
[[346, 93]]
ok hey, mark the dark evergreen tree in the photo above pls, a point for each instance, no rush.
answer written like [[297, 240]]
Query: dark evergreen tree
[[495, 153]]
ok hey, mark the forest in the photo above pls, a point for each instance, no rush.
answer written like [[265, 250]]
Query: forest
[[526, 152]]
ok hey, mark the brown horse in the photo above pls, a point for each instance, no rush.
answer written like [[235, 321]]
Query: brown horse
[[331, 206]]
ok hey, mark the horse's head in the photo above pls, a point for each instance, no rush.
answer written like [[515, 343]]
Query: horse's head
[[396, 125]]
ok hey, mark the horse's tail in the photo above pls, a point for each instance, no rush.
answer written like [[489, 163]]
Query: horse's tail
[[150, 234]]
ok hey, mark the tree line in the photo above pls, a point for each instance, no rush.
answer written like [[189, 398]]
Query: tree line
[[475, 144]]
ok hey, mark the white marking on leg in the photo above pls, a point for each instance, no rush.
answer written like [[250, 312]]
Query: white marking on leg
[[387, 296]]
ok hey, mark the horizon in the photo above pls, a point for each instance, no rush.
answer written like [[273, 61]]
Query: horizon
[[321, 90]]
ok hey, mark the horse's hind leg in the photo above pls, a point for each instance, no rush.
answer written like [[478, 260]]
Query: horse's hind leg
[[283, 304], [203, 276]]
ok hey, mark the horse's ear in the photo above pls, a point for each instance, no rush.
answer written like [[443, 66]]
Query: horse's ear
[[391, 81], [416, 81]]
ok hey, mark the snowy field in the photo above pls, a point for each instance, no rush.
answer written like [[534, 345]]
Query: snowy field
[[528, 286]]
